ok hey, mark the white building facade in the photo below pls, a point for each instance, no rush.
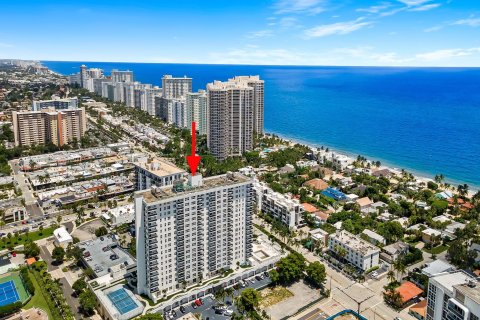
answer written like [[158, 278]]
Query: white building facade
[[453, 296], [190, 233], [358, 252], [281, 207]]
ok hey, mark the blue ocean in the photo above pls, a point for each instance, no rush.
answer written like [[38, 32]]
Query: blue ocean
[[425, 120]]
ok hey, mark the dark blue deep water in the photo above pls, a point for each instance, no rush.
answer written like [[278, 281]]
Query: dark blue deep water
[[426, 120]]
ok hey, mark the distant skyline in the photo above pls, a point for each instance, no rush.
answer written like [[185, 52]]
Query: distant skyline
[[275, 32]]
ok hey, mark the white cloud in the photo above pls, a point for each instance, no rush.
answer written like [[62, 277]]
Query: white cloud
[[299, 6], [376, 8], [336, 28], [288, 22], [426, 7], [412, 3], [433, 29], [445, 54], [472, 22], [260, 34]]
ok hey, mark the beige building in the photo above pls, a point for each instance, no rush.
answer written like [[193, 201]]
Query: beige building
[[56, 126], [197, 110], [230, 108], [176, 87], [258, 100]]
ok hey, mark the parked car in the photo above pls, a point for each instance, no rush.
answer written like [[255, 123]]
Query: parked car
[[228, 312], [258, 278], [182, 309], [194, 305]]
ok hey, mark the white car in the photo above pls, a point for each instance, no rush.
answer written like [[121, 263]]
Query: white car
[[228, 312]]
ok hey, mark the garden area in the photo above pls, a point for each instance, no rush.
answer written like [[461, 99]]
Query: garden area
[[16, 239]]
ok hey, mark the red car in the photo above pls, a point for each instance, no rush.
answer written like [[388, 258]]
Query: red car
[[14, 254], [198, 302]]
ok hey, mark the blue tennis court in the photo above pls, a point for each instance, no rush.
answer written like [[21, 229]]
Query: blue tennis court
[[8, 293], [122, 301]]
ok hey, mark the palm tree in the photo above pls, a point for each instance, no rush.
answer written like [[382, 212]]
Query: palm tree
[[400, 267], [391, 276], [220, 295]]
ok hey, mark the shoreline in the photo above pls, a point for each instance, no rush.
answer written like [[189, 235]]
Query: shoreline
[[385, 164]]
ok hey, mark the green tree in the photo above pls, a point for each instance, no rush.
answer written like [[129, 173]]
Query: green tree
[[291, 268], [274, 276], [58, 254], [31, 249], [316, 273], [102, 231], [459, 254], [249, 299], [79, 285], [150, 316], [220, 294], [87, 302]]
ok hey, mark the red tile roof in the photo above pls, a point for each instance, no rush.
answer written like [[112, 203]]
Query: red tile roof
[[309, 208], [408, 291], [317, 184]]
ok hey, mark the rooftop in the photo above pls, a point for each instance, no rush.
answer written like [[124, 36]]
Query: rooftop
[[355, 243], [408, 291], [438, 266], [470, 290], [161, 193], [449, 280], [159, 167], [103, 254], [120, 302]]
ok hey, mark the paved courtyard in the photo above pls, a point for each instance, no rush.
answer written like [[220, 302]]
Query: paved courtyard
[[302, 295], [87, 230]]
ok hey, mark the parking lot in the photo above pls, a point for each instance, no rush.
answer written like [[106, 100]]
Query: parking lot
[[208, 303]]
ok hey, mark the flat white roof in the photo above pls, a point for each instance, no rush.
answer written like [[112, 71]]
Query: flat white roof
[[62, 235]]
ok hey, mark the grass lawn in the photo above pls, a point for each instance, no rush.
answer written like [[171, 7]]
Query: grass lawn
[[38, 300], [436, 250], [22, 238], [271, 296]]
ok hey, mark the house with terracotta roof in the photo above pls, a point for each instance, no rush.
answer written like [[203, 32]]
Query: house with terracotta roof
[[309, 208], [317, 184], [408, 291], [322, 216], [364, 202], [419, 310]]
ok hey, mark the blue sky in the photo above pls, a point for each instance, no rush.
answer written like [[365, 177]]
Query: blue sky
[[297, 32]]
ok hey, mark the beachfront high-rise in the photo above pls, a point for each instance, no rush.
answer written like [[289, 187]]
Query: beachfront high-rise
[[188, 233], [48, 126], [57, 104], [258, 100], [122, 76], [176, 87], [230, 125], [197, 111]]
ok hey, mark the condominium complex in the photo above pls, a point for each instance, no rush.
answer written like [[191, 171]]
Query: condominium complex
[[230, 109], [176, 87], [48, 126], [453, 296], [155, 173], [280, 206], [121, 76], [57, 104], [172, 110], [190, 232], [258, 100], [355, 250], [197, 110]]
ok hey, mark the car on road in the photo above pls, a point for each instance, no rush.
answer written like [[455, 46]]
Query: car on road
[[182, 309]]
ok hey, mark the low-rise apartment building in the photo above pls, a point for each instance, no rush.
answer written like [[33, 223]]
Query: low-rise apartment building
[[281, 207], [354, 249]]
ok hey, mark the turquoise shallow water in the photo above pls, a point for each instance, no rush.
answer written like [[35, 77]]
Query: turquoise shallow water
[[426, 120]]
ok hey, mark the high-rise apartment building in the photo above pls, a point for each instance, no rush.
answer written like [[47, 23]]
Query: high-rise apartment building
[[176, 87], [258, 100], [57, 104], [122, 76], [230, 109], [172, 111], [48, 126], [197, 110], [453, 296], [188, 233]]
